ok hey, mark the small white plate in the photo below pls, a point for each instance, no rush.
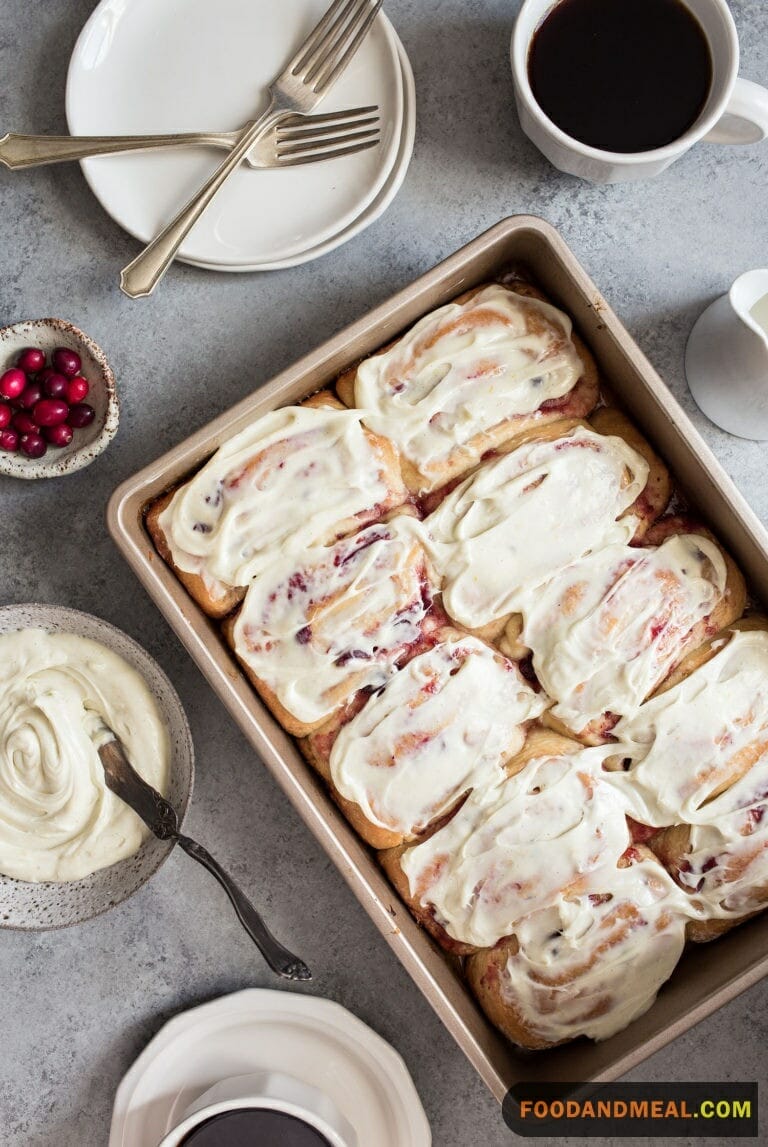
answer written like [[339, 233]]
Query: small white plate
[[312, 1039], [378, 205], [186, 65]]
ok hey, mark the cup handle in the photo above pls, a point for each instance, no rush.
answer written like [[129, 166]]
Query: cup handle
[[745, 119]]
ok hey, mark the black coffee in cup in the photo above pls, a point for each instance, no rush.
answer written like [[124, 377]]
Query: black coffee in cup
[[254, 1127], [621, 75]]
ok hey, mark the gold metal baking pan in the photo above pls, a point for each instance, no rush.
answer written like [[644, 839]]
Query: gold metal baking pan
[[708, 976]]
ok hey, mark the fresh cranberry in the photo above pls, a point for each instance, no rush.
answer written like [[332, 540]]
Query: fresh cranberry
[[50, 412], [54, 384], [6, 414], [32, 445], [9, 440], [24, 423], [60, 435], [31, 360], [30, 395], [66, 361], [80, 415], [77, 389], [12, 383]]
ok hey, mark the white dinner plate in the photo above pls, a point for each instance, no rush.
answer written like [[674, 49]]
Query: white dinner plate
[[375, 208], [307, 1037], [143, 66]]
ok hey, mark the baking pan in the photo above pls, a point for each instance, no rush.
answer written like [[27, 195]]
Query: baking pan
[[706, 977]]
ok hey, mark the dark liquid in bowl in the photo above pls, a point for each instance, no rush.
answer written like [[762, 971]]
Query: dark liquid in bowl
[[254, 1127], [621, 75]]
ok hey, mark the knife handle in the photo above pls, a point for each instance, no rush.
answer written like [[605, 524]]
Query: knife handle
[[279, 958]]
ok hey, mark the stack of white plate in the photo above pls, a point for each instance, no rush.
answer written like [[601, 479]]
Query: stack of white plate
[[152, 66]]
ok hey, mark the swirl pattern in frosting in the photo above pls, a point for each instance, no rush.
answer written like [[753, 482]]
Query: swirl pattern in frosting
[[606, 629], [523, 517], [463, 370], [316, 627], [58, 820], [437, 728], [297, 477]]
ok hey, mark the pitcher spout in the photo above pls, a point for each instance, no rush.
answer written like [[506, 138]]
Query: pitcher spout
[[749, 298]]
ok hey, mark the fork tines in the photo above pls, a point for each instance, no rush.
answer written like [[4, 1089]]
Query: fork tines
[[299, 140], [334, 41], [289, 122]]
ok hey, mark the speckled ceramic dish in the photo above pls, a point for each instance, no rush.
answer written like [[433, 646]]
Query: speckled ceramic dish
[[87, 443], [53, 905]]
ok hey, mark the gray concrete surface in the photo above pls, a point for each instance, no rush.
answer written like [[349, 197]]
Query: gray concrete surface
[[78, 1006]]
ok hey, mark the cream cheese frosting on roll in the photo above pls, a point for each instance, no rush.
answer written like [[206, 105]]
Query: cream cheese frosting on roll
[[699, 756], [519, 519], [464, 369], [609, 627], [58, 820], [594, 962], [442, 724], [318, 626], [702, 734], [726, 862], [282, 484], [518, 845]]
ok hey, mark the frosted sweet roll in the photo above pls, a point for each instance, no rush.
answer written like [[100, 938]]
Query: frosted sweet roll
[[318, 626], [609, 627], [300, 476], [474, 879], [470, 375], [522, 517], [440, 726]]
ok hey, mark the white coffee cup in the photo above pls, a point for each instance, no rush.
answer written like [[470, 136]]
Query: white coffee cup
[[271, 1091], [736, 110]]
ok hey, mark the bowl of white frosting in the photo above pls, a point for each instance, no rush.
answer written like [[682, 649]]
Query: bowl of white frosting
[[69, 848]]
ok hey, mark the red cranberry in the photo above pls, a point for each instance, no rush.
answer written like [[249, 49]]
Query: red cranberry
[[31, 360], [54, 384], [80, 415], [77, 389], [12, 383], [9, 440], [24, 423], [66, 361], [50, 412], [30, 395], [32, 445], [6, 414], [60, 435]]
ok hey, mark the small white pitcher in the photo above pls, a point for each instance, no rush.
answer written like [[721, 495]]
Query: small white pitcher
[[726, 360]]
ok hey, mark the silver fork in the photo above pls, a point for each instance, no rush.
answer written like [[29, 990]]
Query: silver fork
[[298, 89], [292, 140]]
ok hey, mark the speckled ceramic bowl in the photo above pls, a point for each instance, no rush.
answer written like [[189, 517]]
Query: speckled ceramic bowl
[[57, 905], [88, 443]]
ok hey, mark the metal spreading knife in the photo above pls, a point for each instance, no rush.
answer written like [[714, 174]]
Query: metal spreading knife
[[161, 817]]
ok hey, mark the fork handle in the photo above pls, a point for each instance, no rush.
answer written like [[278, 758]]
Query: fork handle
[[279, 958], [21, 151], [142, 275]]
